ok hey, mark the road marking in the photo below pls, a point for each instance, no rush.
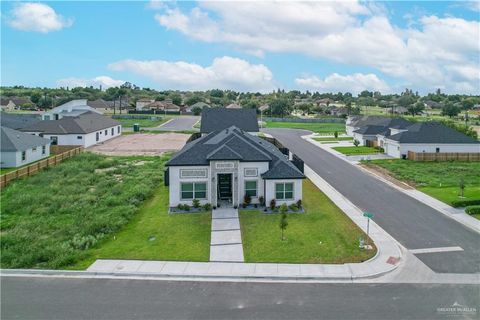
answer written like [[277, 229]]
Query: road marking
[[434, 250]]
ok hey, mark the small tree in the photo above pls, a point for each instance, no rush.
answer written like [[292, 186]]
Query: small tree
[[283, 219], [462, 187], [335, 134], [196, 111], [356, 142]]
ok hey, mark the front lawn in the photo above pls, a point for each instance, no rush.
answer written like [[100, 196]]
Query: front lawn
[[438, 179], [323, 234], [327, 127], [333, 139], [360, 150], [53, 219]]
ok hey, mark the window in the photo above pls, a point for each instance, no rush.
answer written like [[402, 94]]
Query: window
[[34, 149], [113, 131], [437, 150], [284, 191], [79, 137], [44, 149], [97, 136], [193, 173], [106, 132], [251, 188], [24, 155], [250, 172], [193, 190], [118, 129]]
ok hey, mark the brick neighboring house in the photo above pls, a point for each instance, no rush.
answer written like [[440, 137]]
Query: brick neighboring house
[[14, 103]]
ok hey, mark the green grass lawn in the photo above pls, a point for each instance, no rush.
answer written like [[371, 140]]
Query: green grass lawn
[[356, 150], [333, 139], [53, 218], [144, 123], [7, 170], [323, 234], [328, 127], [177, 236], [437, 179]]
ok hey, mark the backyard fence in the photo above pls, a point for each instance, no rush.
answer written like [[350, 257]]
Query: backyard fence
[[38, 166], [56, 149], [443, 156]]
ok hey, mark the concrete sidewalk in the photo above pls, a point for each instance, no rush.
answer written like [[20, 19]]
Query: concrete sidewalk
[[226, 239]]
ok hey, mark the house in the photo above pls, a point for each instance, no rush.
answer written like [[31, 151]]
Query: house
[[19, 148], [264, 107], [225, 165], [14, 103], [107, 106], [429, 137], [367, 135], [215, 119], [18, 121], [165, 106], [141, 103], [200, 105], [356, 122], [72, 108], [233, 106], [84, 129]]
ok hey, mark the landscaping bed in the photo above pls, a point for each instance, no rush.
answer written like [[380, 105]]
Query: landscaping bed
[[318, 127], [360, 150], [440, 180], [323, 234], [65, 213]]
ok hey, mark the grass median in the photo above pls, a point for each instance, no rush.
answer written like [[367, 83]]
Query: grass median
[[323, 234], [360, 150]]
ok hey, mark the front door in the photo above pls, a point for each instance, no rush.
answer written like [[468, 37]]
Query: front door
[[225, 186]]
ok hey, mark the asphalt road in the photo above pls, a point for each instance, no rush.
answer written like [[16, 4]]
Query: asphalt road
[[414, 224], [47, 298], [183, 123]]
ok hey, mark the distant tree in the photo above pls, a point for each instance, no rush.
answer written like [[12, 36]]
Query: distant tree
[[279, 107], [196, 111], [450, 110], [356, 142], [176, 99], [192, 100], [160, 97], [416, 108], [35, 97], [216, 93]]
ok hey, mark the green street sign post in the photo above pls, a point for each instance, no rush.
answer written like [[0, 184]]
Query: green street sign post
[[369, 216]]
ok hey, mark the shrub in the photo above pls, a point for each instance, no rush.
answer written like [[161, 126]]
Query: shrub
[[261, 199], [299, 204], [180, 207], [247, 199], [356, 142], [283, 208], [473, 209], [196, 203], [293, 207], [255, 205], [207, 207], [186, 207], [235, 207], [273, 204], [335, 134], [465, 203], [244, 205]]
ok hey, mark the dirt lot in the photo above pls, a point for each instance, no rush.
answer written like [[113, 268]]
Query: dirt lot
[[142, 144]]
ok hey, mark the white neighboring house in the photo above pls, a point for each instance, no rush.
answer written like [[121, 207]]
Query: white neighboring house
[[85, 129], [141, 103], [19, 148], [429, 137], [69, 109], [223, 166]]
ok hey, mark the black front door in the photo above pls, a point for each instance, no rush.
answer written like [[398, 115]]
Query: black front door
[[225, 186]]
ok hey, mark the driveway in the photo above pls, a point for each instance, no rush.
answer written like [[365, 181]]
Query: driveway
[[142, 144], [414, 224], [183, 123]]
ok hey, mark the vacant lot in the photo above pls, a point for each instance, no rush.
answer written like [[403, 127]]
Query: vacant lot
[[324, 234], [356, 150], [438, 179], [49, 220], [322, 128], [142, 144]]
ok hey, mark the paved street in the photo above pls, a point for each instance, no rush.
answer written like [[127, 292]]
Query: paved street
[[183, 123], [412, 223], [41, 298]]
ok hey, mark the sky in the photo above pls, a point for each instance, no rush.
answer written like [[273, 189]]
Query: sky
[[256, 46]]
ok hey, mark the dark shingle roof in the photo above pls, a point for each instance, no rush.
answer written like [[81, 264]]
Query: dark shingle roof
[[13, 140], [431, 132], [235, 144], [18, 121], [370, 130], [360, 122], [84, 123], [215, 119]]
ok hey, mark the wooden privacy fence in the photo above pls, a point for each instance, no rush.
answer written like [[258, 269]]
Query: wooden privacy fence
[[56, 149], [37, 166], [443, 156]]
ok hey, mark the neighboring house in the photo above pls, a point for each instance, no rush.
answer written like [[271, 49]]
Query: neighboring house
[[356, 122], [13, 103], [263, 107], [215, 119], [233, 106], [224, 166], [140, 104], [108, 106], [339, 111], [166, 106], [85, 129], [72, 108], [200, 105], [324, 102], [18, 121], [19, 148], [429, 137], [368, 134], [429, 104]]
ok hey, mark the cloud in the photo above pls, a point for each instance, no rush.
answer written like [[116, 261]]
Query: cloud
[[156, 4], [224, 73], [354, 83], [104, 81], [347, 32], [37, 17]]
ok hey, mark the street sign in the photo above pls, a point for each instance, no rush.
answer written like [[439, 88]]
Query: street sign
[[368, 215]]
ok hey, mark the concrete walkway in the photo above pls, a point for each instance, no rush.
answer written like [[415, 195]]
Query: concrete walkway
[[226, 238]]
